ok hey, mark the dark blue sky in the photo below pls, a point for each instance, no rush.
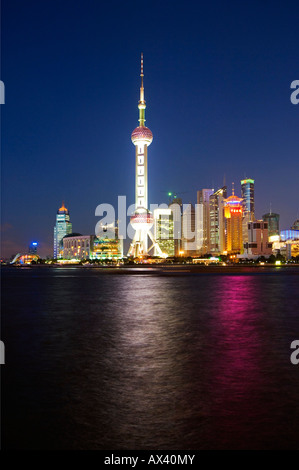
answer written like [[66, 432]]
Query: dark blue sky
[[217, 88]]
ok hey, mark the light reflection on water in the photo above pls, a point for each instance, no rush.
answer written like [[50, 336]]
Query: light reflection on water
[[149, 362]]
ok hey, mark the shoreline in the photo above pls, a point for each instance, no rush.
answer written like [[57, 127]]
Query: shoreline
[[165, 269]]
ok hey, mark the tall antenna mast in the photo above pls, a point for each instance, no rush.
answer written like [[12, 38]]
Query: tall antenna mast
[[141, 104]]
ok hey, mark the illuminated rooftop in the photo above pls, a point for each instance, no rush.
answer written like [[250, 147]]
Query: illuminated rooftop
[[248, 180], [232, 200], [62, 209]]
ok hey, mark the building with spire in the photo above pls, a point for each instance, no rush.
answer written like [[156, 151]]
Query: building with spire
[[62, 228], [273, 223], [233, 213], [142, 220]]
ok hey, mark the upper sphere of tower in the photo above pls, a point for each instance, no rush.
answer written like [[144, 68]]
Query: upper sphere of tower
[[142, 134]]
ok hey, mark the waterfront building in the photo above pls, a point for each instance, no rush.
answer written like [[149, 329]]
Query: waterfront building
[[142, 220], [233, 214], [257, 244], [203, 197], [84, 247], [107, 245], [287, 244], [26, 258], [77, 246], [164, 231], [217, 222], [62, 228], [289, 235], [273, 223]]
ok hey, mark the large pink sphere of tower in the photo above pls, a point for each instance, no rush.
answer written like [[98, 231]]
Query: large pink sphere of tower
[[142, 134]]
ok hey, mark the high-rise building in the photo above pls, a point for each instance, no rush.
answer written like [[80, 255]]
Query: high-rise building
[[233, 213], [142, 220], [257, 244], [217, 222], [188, 230], [62, 227], [203, 197], [164, 231], [273, 223], [247, 194], [176, 205]]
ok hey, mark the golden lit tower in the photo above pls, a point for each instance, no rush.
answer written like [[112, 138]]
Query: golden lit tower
[[142, 220], [233, 213]]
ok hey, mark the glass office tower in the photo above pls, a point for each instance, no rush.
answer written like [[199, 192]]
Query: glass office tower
[[273, 223], [164, 231], [247, 194], [63, 227]]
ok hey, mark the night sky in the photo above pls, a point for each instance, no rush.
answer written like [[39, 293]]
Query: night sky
[[217, 88]]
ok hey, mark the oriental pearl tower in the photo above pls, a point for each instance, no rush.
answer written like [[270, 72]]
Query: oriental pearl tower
[[142, 220]]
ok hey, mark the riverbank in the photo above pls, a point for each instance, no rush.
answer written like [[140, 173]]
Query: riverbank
[[171, 269]]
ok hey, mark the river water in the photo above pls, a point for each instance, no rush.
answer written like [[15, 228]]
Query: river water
[[149, 358]]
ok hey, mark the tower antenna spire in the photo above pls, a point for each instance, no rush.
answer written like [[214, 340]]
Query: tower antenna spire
[[141, 104], [142, 87], [141, 74]]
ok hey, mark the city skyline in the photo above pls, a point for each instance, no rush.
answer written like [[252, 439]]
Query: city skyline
[[66, 136]]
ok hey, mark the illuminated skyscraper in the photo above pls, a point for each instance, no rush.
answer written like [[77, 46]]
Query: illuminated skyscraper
[[176, 205], [63, 227], [247, 194], [164, 231], [233, 212], [217, 225], [203, 197], [142, 220], [188, 230]]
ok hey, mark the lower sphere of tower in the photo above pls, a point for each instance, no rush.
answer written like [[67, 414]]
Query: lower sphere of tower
[[143, 221]]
